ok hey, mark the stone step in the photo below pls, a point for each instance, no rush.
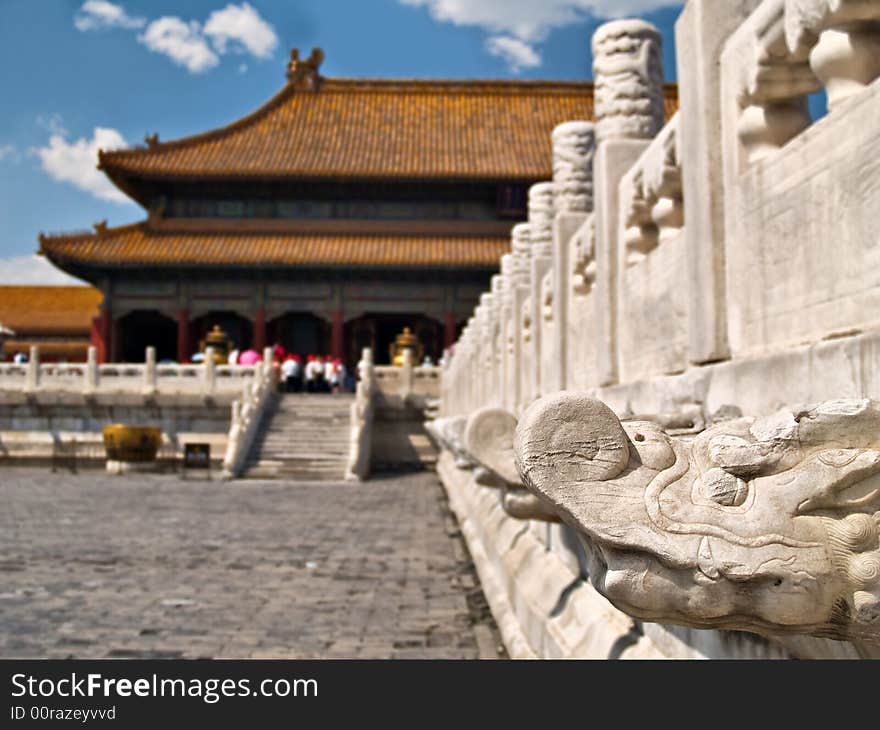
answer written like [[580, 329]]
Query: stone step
[[292, 458], [306, 438], [307, 428], [302, 475], [281, 452], [296, 440]]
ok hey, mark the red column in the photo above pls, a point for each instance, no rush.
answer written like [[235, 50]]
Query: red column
[[183, 343], [259, 330], [95, 336], [102, 330], [336, 337], [448, 330]]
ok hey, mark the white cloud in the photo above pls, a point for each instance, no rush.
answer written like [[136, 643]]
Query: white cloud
[[97, 14], [76, 162], [529, 21], [514, 52], [235, 28], [243, 26], [31, 270], [182, 42]]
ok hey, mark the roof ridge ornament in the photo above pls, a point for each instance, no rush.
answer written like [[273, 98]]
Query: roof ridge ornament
[[303, 74], [152, 140], [100, 227]]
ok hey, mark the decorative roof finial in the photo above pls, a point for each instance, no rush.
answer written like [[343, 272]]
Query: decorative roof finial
[[100, 227], [152, 140], [303, 74]]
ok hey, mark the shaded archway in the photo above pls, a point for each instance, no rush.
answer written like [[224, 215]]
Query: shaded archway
[[239, 329], [301, 332], [141, 329]]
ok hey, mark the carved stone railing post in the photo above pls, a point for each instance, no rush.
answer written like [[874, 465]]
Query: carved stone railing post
[[150, 375], [520, 286], [486, 364], [768, 525], [629, 111], [91, 372], [209, 372], [406, 374], [495, 336], [574, 144], [268, 361], [581, 340], [549, 367], [32, 381], [527, 327], [541, 214], [507, 333], [700, 34], [361, 435]]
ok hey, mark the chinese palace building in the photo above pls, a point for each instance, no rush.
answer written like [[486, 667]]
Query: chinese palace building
[[339, 212]]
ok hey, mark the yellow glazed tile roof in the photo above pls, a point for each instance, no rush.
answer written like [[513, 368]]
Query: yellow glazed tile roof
[[48, 310], [135, 244], [378, 129]]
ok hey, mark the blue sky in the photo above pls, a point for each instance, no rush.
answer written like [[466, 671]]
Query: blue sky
[[83, 74]]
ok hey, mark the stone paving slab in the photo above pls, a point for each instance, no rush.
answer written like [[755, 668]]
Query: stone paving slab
[[101, 566]]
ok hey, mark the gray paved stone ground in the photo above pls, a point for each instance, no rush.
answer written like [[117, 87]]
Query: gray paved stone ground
[[95, 566]]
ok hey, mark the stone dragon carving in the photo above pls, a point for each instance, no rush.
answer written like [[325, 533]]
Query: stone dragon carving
[[761, 524], [541, 212], [628, 70], [449, 434], [488, 440], [573, 146]]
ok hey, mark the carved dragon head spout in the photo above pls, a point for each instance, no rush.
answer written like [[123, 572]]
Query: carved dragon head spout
[[488, 439], [769, 525], [449, 432]]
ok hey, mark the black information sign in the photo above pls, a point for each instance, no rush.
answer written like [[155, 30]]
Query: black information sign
[[197, 456]]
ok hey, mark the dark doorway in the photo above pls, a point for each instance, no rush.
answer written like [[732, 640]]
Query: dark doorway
[[300, 332], [142, 329]]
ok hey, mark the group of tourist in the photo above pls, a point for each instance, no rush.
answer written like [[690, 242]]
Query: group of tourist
[[319, 375]]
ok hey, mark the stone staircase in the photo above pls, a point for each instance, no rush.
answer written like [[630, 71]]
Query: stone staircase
[[305, 437]]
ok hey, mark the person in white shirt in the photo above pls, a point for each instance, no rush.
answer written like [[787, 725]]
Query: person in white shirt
[[289, 369], [330, 380], [310, 374]]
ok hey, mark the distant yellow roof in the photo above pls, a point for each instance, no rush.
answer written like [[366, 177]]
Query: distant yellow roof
[[49, 310]]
